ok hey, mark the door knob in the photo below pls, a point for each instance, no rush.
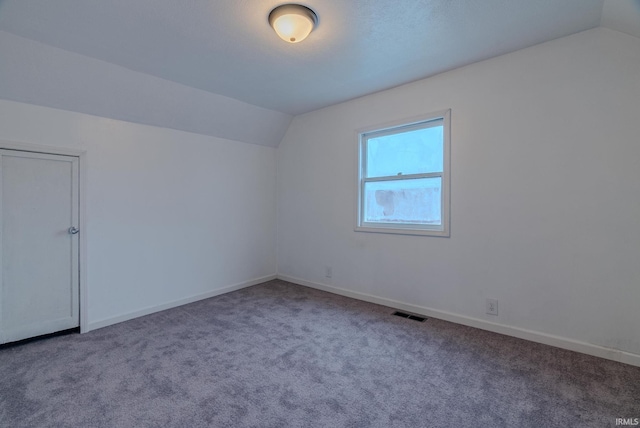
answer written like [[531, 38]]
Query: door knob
[[73, 230]]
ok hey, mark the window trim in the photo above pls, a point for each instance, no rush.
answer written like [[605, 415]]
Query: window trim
[[442, 230]]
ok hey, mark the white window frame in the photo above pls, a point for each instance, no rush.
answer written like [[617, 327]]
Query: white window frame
[[364, 134]]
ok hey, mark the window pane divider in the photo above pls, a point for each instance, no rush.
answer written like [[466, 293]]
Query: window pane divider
[[403, 177]]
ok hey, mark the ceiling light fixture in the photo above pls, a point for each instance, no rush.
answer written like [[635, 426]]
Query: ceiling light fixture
[[293, 22]]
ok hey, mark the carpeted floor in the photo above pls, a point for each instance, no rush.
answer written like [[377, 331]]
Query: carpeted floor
[[282, 355]]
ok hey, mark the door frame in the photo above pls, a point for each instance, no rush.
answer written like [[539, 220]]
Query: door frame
[[82, 191]]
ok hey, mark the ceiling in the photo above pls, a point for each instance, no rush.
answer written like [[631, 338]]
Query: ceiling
[[226, 47]]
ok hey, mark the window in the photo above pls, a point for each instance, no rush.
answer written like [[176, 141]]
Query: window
[[403, 182]]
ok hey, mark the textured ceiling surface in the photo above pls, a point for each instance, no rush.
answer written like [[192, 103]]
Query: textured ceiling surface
[[226, 47]]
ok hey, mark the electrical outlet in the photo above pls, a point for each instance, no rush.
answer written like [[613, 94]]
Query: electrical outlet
[[492, 306], [328, 272]]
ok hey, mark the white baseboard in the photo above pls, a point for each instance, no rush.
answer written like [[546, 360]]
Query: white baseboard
[[152, 309], [533, 336]]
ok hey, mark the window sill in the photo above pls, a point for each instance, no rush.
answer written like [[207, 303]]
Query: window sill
[[403, 231]]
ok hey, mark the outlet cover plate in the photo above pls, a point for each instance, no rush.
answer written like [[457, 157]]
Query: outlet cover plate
[[328, 272], [492, 306]]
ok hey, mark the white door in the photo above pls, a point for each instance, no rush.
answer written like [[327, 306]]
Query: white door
[[39, 286]]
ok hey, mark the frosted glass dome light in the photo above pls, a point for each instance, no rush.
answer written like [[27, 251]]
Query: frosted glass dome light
[[293, 22]]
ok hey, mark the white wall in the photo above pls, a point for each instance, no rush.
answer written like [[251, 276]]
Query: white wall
[[171, 216], [545, 211]]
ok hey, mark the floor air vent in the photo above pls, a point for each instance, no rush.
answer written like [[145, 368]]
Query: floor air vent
[[411, 317]]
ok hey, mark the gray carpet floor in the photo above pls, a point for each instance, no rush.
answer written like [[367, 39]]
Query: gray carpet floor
[[282, 355]]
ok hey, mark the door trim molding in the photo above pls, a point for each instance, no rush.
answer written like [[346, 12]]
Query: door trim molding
[[82, 183]]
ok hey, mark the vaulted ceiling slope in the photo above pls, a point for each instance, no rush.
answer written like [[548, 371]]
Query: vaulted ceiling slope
[[216, 67]]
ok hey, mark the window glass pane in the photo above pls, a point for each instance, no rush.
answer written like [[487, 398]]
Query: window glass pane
[[412, 152], [414, 201]]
